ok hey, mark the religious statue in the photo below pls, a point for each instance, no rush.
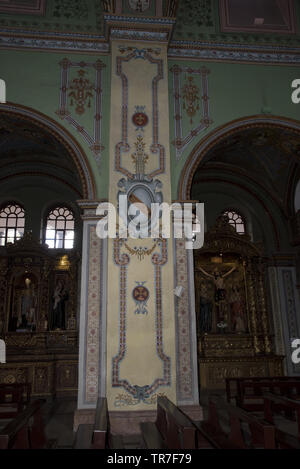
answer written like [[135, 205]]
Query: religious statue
[[220, 296], [205, 319], [60, 297], [237, 311], [28, 301]]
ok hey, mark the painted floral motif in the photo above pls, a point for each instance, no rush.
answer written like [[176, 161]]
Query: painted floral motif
[[190, 96], [139, 156], [125, 399], [195, 12], [140, 252], [140, 295], [139, 5], [81, 92], [70, 9], [140, 118]]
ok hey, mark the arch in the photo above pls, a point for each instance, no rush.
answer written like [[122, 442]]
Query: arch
[[221, 133], [63, 136]]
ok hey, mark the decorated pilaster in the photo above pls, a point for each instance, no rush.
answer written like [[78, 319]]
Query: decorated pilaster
[[92, 323], [141, 335], [186, 328], [285, 308]]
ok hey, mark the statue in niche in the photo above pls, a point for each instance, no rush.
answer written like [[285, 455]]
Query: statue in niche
[[60, 296], [238, 316], [205, 318], [221, 300], [26, 318]]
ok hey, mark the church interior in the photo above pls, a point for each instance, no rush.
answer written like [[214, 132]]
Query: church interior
[[136, 342]]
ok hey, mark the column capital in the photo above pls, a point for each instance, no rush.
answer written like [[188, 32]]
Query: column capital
[[88, 208], [131, 28]]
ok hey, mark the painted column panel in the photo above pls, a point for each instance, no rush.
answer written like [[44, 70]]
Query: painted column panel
[[92, 329], [290, 307], [141, 312], [186, 330]]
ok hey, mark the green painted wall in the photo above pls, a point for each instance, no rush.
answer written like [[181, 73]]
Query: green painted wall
[[33, 80], [235, 91], [84, 16]]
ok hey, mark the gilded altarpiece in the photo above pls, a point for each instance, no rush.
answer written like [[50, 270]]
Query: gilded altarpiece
[[38, 309], [235, 337]]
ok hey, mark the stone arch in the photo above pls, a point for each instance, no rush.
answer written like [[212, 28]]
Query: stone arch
[[232, 130], [63, 136], [221, 133]]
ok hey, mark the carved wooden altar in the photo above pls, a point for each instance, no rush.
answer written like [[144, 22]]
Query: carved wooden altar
[[234, 328], [38, 307]]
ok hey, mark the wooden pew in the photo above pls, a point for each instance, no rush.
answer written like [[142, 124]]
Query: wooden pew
[[276, 405], [238, 389], [172, 429], [97, 435], [26, 431], [13, 399], [261, 433], [250, 391]]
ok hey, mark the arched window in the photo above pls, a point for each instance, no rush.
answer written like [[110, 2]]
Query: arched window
[[60, 228], [12, 223], [236, 220]]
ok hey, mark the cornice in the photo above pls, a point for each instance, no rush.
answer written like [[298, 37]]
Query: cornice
[[49, 41], [127, 19], [246, 53], [89, 207], [147, 29]]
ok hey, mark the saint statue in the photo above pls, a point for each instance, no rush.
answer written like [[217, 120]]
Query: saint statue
[[26, 315], [60, 297], [220, 295]]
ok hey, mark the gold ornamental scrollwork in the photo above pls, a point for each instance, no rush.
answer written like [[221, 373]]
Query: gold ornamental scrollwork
[[233, 326]]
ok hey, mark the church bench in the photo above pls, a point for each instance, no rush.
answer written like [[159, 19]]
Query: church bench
[[172, 429], [97, 435], [83, 436], [260, 434], [250, 393], [176, 428], [100, 438], [26, 430], [152, 438], [274, 405], [238, 389]]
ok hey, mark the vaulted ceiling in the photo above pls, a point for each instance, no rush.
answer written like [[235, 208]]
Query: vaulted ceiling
[[266, 158], [27, 150]]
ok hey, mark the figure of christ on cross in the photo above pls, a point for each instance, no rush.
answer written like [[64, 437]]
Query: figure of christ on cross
[[220, 296]]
